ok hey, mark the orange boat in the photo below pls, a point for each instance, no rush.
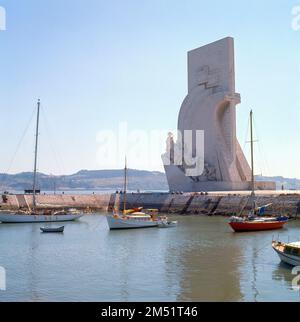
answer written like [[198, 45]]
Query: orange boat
[[257, 225]]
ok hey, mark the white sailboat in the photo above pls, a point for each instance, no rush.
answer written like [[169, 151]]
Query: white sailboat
[[32, 215], [130, 218], [134, 220]]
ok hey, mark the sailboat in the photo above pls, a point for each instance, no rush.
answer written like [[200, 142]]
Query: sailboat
[[130, 218], [32, 215], [253, 222]]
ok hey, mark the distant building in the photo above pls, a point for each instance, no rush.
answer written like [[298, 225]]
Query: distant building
[[30, 191]]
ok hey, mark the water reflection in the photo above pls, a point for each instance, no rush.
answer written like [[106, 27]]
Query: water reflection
[[282, 272], [209, 261]]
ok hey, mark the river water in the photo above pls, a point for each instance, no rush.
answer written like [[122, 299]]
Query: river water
[[199, 260]]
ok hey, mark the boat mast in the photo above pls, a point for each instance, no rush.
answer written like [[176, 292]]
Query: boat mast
[[252, 159], [125, 186], [35, 155]]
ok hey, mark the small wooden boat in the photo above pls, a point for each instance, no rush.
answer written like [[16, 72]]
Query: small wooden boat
[[288, 253], [53, 230], [167, 224]]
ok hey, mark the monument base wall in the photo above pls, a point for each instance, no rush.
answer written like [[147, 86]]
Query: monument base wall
[[179, 182], [213, 203]]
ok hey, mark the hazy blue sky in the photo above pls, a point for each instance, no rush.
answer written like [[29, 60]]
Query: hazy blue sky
[[97, 63]]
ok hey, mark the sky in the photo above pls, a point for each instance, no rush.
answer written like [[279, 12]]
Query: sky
[[100, 67]]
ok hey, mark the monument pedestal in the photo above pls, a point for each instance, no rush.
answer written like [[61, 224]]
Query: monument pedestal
[[179, 182]]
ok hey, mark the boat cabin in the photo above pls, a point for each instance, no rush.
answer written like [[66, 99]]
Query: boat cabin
[[292, 249]]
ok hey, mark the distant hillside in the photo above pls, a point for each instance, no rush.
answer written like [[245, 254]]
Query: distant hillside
[[88, 180], [108, 180], [287, 183]]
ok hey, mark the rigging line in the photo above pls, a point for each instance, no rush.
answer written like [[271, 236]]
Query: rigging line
[[246, 133], [56, 154], [260, 249], [246, 151], [261, 152], [17, 148]]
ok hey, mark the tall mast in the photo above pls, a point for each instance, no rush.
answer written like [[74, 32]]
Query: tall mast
[[35, 154], [252, 158], [125, 185]]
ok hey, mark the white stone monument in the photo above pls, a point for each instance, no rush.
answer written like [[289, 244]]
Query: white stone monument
[[210, 106]]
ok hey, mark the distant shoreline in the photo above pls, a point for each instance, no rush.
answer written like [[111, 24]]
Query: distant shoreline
[[108, 181], [82, 191]]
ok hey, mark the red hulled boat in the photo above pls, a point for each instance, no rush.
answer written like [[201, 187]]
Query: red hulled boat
[[254, 221], [258, 225]]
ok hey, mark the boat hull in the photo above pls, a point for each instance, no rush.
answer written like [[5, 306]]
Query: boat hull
[[119, 223], [287, 258], [256, 226], [13, 218], [52, 230]]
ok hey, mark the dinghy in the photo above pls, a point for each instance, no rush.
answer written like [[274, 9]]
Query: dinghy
[[167, 224], [52, 230]]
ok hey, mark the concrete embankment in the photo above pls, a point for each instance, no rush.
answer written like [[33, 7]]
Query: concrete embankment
[[187, 203]]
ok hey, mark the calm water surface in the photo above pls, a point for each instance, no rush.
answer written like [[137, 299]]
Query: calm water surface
[[200, 260]]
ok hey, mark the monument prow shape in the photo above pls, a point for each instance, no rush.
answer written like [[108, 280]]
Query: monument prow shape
[[210, 106]]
